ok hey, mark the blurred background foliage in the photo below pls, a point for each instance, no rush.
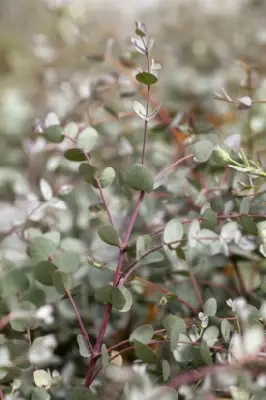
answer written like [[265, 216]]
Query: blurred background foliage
[[75, 58]]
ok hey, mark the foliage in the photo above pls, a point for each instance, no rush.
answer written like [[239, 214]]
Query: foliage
[[108, 291]]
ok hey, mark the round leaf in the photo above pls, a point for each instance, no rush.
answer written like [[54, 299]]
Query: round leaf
[[67, 261], [88, 172], [142, 334], [87, 139], [128, 299], [173, 232], [43, 272], [106, 177], [210, 307], [41, 248], [203, 150], [139, 177], [61, 281]]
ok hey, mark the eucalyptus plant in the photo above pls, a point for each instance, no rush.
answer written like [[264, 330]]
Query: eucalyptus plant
[[155, 288]]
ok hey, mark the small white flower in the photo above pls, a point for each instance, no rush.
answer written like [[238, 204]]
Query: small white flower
[[45, 314]]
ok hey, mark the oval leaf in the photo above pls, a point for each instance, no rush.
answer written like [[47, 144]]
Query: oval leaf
[[146, 78], [87, 139], [109, 235], [173, 232]]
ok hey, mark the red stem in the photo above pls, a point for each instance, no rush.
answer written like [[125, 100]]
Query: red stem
[[80, 322]]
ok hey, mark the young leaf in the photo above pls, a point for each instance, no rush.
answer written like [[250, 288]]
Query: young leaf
[[173, 232], [139, 109], [139, 177], [109, 235]]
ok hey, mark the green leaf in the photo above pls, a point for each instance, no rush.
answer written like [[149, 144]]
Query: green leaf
[[245, 205], [226, 329], [210, 335], [174, 326], [104, 294], [40, 394], [13, 282], [146, 78], [80, 393], [41, 248], [173, 232], [166, 370], [87, 139], [139, 177], [88, 172], [145, 353], [105, 356], [76, 155], [42, 378], [67, 261], [140, 247], [205, 353], [142, 334], [54, 134], [54, 236], [106, 177], [203, 150], [248, 225], [83, 346], [210, 307], [184, 351], [109, 235], [24, 317], [62, 281], [43, 272], [210, 219], [125, 304], [208, 242]]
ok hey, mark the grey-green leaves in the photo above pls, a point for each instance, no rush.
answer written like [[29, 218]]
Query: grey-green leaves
[[109, 235], [120, 297], [203, 150], [139, 177], [87, 139], [173, 233]]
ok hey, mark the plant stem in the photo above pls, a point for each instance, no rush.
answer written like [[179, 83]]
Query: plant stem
[[80, 322], [104, 201]]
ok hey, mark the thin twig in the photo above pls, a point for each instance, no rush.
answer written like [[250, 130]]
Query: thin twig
[[80, 322], [104, 201]]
